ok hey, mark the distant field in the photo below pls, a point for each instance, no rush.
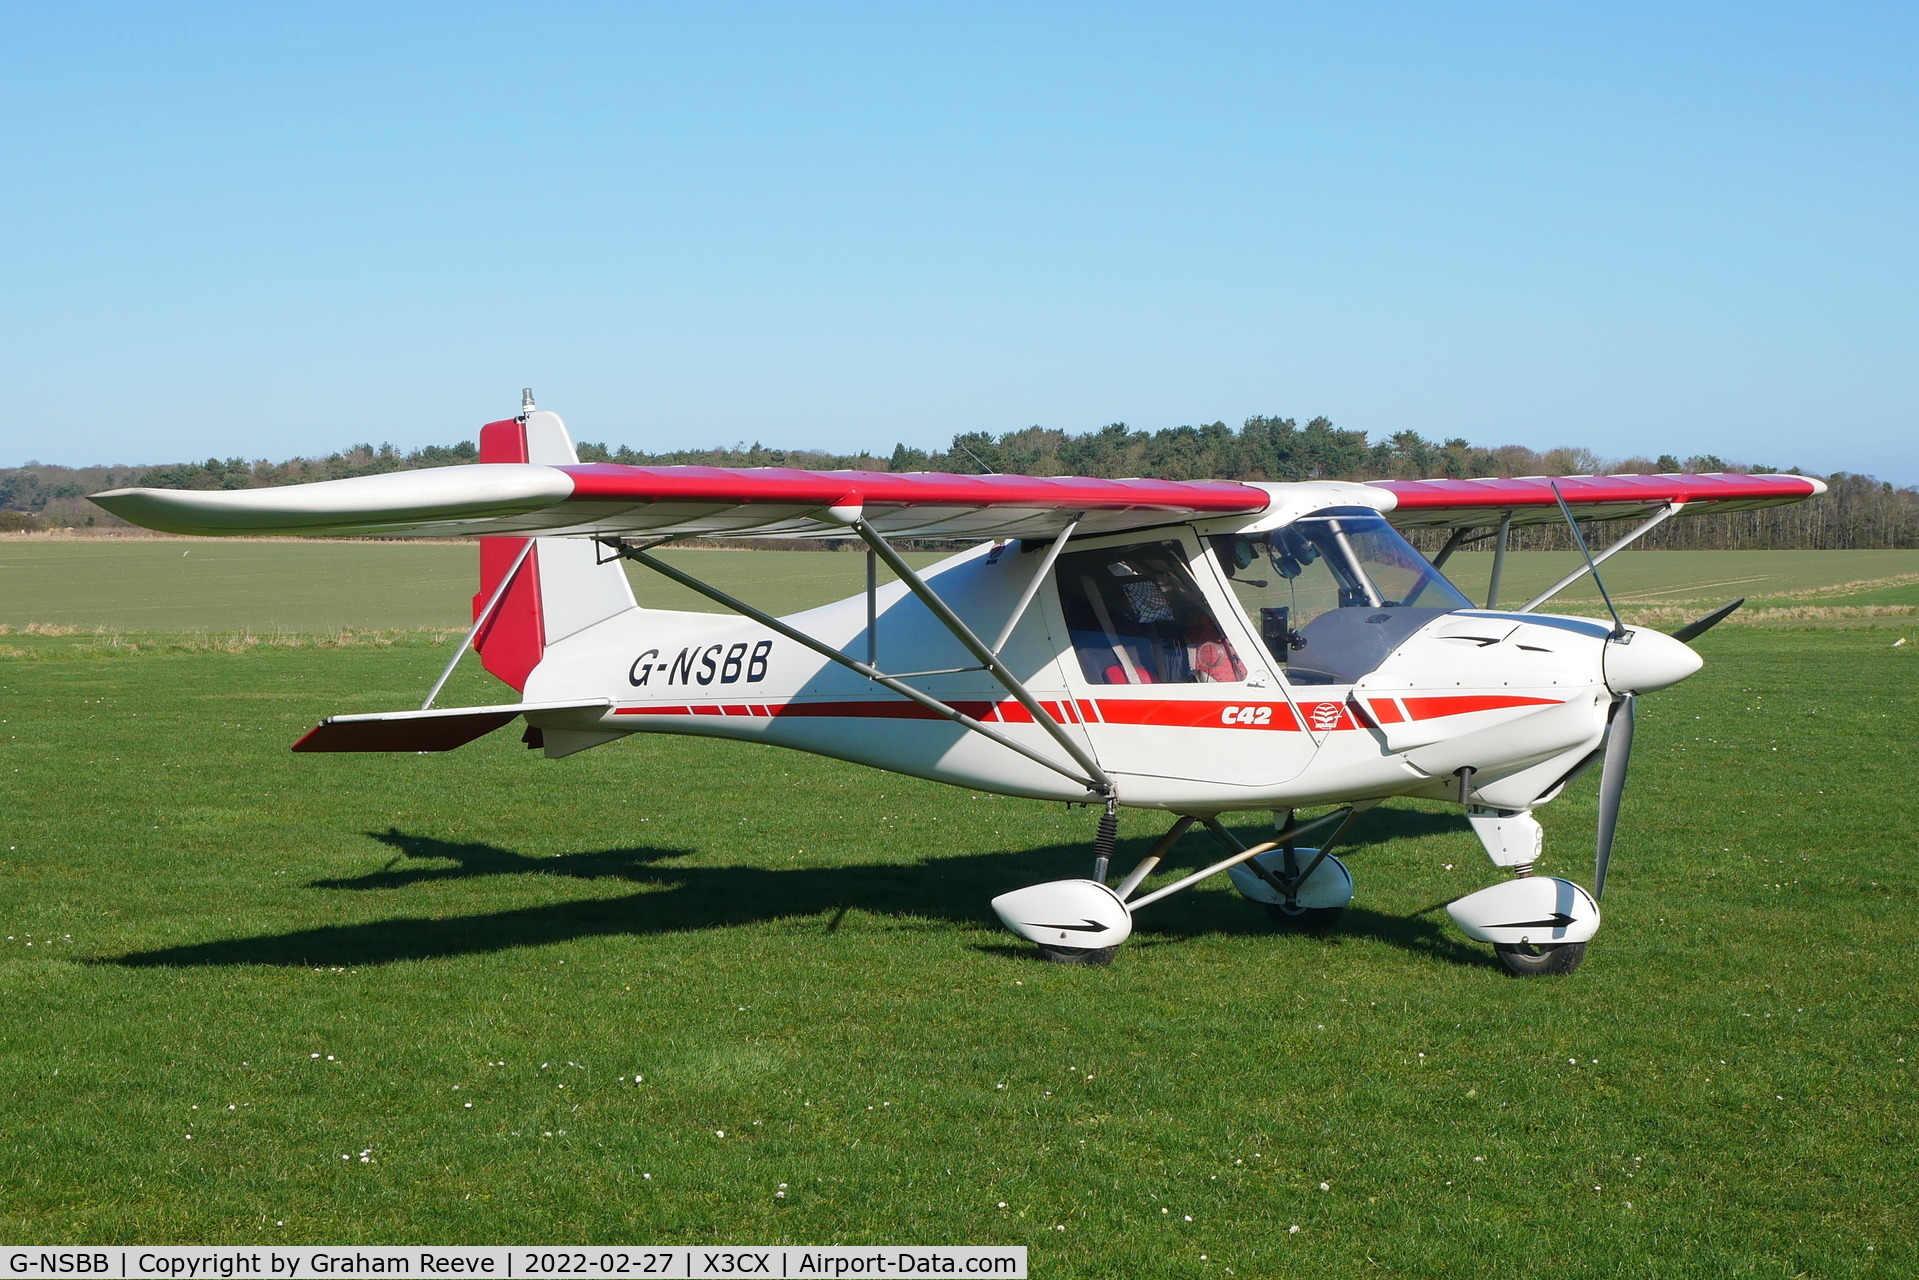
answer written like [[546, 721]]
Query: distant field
[[1661, 585], [157, 585], [210, 584]]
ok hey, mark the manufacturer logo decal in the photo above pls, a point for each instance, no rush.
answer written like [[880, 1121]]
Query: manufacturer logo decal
[[1324, 715]]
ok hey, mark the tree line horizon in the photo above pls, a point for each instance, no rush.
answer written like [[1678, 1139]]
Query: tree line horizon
[[1858, 512]]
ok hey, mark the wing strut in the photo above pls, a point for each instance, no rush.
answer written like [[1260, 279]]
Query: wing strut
[[1639, 531], [987, 657], [1499, 560], [1093, 778], [459, 650], [1032, 588]]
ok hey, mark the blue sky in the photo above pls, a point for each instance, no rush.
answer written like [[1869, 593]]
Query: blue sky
[[266, 231]]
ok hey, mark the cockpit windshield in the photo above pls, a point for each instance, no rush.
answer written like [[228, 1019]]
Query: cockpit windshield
[[1334, 592]]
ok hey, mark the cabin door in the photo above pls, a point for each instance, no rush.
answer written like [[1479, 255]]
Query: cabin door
[[1165, 672]]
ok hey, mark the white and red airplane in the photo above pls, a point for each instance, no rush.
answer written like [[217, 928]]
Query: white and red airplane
[[1195, 647]]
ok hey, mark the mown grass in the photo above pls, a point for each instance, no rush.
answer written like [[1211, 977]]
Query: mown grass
[[313, 965]]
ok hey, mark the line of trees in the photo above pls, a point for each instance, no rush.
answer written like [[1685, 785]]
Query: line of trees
[[1859, 512]]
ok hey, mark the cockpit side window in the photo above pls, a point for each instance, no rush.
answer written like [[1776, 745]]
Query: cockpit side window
[[1137, 617], [1334, 592]]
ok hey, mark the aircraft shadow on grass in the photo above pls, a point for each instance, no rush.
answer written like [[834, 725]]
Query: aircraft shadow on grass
[[671, 896]]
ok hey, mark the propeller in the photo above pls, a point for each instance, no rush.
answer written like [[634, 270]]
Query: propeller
[[1612, 774], [1618, 751], [1612, 785], [1700, 626]]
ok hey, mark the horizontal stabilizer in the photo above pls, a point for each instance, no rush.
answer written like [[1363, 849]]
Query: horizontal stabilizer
[[423, 730]]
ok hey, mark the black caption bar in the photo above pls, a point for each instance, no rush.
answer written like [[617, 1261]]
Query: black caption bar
[[486, 1262]]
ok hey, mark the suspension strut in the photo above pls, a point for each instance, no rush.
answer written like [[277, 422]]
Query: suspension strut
[[1104, 842]]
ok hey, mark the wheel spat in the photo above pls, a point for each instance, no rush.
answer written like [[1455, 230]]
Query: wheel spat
[[1612, 785]]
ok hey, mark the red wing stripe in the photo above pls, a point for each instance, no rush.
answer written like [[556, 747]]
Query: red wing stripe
[[605, 481], [1386, 711], [1537, 491]]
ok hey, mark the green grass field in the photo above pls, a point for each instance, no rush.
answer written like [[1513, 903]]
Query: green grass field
[[632, 995], [213, 585]]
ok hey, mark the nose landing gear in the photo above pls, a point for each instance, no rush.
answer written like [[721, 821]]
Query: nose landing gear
[[1538, 925]]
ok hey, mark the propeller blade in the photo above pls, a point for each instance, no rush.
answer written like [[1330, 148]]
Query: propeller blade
[[1612, 784], [1700, 626]]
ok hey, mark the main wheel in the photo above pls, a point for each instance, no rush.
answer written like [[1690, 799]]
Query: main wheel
[[1303, 918], [1526, 960], [1077, 955]]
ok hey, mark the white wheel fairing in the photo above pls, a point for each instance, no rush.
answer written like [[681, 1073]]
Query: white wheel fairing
[[1329, 888], [1077, 914], [1542, 911]]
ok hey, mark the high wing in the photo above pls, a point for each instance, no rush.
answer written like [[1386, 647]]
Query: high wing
[[1467, 504], [604, 499], [510, 494]]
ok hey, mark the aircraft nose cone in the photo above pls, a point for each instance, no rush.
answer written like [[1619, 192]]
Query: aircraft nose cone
[[1648, 660]]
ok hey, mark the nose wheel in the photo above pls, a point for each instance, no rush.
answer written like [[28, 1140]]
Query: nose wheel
[[1527, 960], [1095, 956]]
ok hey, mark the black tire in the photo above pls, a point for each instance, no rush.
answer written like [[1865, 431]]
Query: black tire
[[1077, 955], [1524, 960], [1306, 919]]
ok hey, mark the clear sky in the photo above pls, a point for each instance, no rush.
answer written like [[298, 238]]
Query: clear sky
[[270, 230]]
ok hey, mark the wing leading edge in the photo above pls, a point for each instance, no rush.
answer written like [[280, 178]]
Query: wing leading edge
[[1456, 504]]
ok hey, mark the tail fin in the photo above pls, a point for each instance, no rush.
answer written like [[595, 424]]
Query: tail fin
[[560, 588]]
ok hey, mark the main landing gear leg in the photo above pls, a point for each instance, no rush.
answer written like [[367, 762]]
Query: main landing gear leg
[[1084, 921], [1056, 949], [1104, 841], [1300, 888]]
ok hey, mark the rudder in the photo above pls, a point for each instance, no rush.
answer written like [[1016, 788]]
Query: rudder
[[561, 587]]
